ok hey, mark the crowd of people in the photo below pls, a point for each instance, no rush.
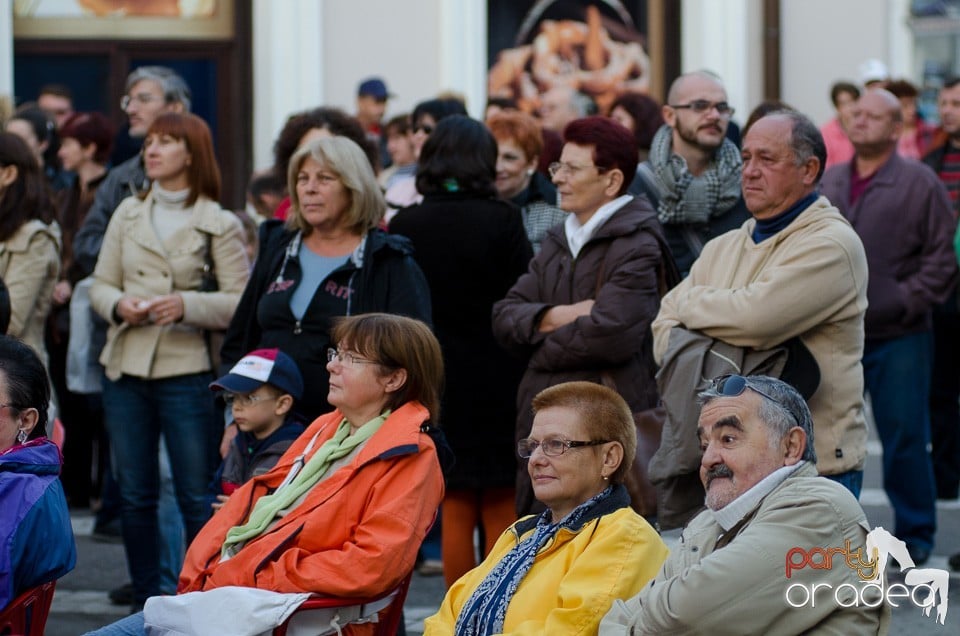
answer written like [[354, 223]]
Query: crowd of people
[[426, 341]]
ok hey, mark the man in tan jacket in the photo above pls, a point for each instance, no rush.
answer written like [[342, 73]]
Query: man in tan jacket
[[796, 269], [775, 533]]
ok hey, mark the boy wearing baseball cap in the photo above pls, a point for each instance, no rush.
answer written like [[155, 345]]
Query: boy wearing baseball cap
[[260, 389]]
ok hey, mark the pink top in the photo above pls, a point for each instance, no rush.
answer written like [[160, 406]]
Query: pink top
[[839, 148]]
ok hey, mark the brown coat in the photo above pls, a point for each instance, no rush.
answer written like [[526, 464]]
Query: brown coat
[[623, 256]]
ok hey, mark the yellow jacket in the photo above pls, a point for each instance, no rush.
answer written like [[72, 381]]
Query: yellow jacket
[[133, 262], [573, 580], [29, 265]]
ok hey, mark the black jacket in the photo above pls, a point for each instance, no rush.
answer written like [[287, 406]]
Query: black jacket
[[388, 280], [472, 248]]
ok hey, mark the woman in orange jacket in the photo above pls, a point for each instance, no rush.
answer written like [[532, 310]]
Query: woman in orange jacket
[[344, 511]]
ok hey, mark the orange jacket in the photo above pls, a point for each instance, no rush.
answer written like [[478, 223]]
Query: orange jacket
[[355, 534]]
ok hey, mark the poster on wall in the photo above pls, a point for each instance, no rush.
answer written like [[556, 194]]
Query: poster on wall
[[598, 47], [123, 19]]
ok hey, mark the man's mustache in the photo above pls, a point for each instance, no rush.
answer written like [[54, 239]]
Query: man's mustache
[[720, 470]]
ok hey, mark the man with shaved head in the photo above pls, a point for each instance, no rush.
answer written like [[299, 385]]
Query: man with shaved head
[[692, 176], [901, 211]]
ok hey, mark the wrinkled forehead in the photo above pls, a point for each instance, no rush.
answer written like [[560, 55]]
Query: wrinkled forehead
[[740, 411]]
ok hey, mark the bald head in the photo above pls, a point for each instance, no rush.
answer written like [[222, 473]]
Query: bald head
[[877, 123], [692, 82]]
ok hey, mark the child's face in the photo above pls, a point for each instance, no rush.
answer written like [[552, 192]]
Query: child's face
[[256, 412]]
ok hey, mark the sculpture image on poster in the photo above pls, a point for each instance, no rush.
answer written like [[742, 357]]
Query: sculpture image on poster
[[591, 46]]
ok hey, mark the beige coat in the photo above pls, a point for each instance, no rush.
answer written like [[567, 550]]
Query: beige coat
[[810, 280], [741, 588], [29, 265], [133, 262]]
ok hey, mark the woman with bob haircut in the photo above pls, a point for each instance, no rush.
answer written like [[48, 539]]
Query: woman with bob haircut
[[327, 259], [149, 284], [519, 144], [36, 540], [584, 308], [588, 548], [29, 241], [344, 510], [471, 247], [302, 128], [640, 114]]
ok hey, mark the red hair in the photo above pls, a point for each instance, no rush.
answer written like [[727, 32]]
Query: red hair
[[203, 173], [614, 147]]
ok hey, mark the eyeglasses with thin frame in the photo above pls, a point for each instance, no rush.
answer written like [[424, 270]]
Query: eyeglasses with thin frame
[[13, 407], [346, 357], [732, 385], [701, 106], [140, 98], [552, 446], [245, 400], [571, 169]]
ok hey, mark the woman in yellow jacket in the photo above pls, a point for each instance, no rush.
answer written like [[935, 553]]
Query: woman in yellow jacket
[[559, 572], [29, 241], [149, 283]]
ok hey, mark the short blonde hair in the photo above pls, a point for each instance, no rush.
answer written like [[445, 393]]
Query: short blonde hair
[[603, 413], [344, 158]]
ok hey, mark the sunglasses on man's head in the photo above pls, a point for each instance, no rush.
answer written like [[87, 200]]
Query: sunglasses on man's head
[[732, 385]]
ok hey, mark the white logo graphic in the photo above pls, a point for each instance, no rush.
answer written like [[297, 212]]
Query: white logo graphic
[[884, 545]]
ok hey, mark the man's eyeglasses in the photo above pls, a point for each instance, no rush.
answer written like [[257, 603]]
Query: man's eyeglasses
[[573, 170], [552, 446], [733, 385], [346, 358], [140, 98], [245, 400], [701, 106]]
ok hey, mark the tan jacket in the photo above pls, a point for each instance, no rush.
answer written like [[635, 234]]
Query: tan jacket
[[29, 265], [133, 262], [810, 280], [741, 588]]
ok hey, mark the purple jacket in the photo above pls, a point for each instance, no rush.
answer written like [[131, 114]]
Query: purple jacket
[[36, 540], [906, 223]]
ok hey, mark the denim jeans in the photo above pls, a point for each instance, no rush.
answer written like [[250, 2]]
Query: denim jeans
[[171, 527], [138, 412], [133, 625], [852, 480], [897, 377]]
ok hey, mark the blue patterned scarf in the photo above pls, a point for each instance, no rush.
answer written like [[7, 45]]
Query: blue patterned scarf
[[484, 611]]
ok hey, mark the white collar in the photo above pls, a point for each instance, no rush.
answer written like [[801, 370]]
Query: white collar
[[578, 235], [733, 512]]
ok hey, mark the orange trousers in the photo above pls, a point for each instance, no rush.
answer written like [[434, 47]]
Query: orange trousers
[[490, 509]]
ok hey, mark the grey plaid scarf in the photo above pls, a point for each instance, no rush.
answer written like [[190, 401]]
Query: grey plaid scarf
[[688, 199]]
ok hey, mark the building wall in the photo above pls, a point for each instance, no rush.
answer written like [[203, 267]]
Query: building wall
[[823, 41]]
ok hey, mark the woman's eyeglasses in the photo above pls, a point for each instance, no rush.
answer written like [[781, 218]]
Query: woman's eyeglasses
[[346, 358], [552, 446], [426, 129]]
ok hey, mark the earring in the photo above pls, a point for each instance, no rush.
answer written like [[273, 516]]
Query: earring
[[605, 478], [21, 437]]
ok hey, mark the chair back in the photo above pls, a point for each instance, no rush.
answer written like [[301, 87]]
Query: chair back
[[389, 617], [27, 614]]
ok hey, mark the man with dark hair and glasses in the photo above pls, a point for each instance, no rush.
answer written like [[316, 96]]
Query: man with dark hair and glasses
[[767, 510], [692, 176], [795, 272]]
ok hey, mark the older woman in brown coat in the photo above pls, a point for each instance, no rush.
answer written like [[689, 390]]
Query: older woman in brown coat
[[584, 308]]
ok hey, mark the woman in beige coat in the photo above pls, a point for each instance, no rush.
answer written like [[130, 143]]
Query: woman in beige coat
[[149, 284], [29, 241]]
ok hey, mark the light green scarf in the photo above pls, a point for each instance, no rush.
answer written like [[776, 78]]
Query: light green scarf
[[294, 486]]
